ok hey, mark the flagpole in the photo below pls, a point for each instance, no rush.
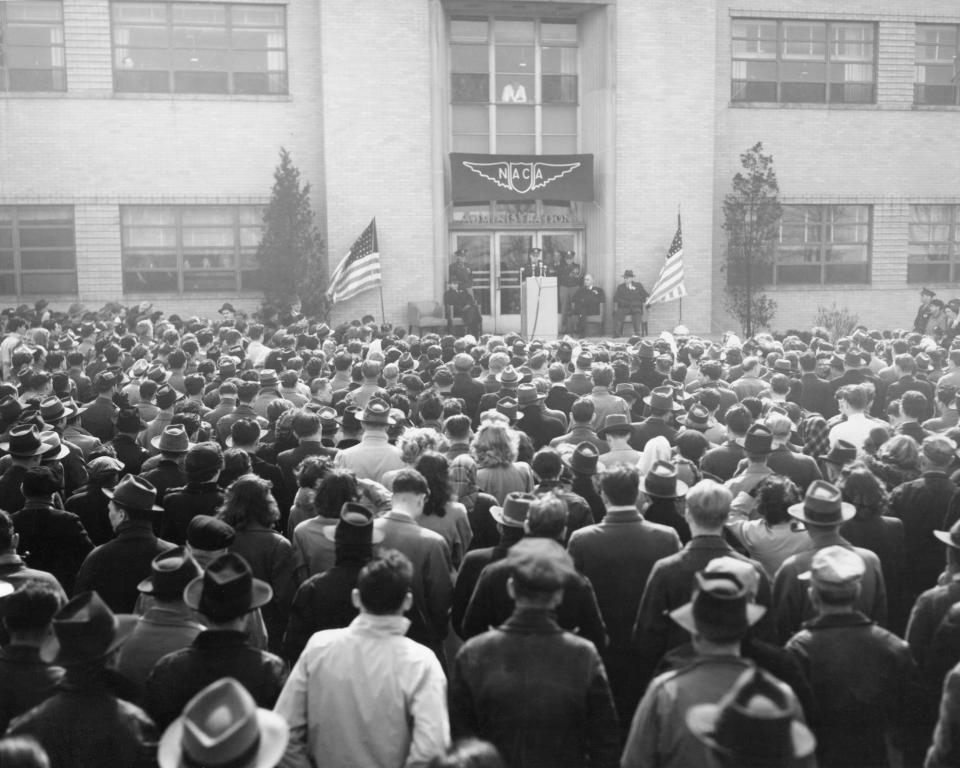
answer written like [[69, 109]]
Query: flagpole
[[680, 299]]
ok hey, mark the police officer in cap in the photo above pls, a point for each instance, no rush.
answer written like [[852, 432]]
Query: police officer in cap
[[536, 266], [460, 271]]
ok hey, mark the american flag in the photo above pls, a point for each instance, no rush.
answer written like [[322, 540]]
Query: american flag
[[670, 283], [360, 268]]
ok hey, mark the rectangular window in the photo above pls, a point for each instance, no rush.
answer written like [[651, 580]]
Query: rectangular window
[[933, 255], [31, 46], [38, 253], [180, 249], [803, 62], [937, 68], [514, 85], [823, 245], [199, 48]]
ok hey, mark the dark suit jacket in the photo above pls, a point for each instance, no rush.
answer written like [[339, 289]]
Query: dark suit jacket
[[98, 418], [181, 505], [116, 568], [560, 398], [52, 540], [803, 470], [470, 569], [470, 389], [648, 429], [912, 384], [816, 395], [289, 460], [722, 461]]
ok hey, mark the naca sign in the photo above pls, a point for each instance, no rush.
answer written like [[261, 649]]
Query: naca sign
[[477, 178]]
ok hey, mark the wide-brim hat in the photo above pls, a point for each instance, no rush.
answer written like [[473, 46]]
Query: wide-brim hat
[[170, 572], [227, 589], [86, 630], [661, 398], [952, 537], [24, 441], [56, 448], [617, 423], [754, 724], [221, 726], [134, 492], [377, 412], [841, 452], [583, 459], [662, 482], [758, 440], [720, 608], [527, 394], [173, 439], [513, 513], [53, 409], [822, 506], [698, 418], [354, 519]]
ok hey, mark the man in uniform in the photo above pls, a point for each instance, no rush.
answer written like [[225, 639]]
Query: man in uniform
[[536, 266], [569, 279], [628, 300], [460, 271], [455, 299], [924, 312]]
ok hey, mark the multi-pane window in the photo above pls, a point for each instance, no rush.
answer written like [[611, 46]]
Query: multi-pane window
[[812, 62], [190, 249], [937, 70], [823, 244], [933, 253], [199, 48], [38, 255], [514, 85], [31, 46]]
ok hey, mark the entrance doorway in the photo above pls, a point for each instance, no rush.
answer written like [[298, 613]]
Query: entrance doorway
[[497, 259]]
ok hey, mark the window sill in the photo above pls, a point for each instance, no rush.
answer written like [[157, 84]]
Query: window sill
[[935, 108], [800, 105], [812, 287], [158, 296], [267, 97]]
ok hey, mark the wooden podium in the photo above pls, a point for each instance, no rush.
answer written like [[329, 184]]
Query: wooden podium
[[538, 308]]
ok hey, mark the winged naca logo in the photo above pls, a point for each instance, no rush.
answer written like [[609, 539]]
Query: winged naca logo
[[521, 178]]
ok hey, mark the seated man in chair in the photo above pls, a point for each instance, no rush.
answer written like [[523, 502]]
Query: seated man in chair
[[455, 299], [587, 301]]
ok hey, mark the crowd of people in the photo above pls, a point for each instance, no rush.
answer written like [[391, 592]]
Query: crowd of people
[[258, 542]]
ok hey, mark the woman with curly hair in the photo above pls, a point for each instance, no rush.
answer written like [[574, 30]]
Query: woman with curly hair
[[413, 444], [313, 551], [873, 530], [440, 512], [897, 461], [250, 508], [773, 538], [494, 448]]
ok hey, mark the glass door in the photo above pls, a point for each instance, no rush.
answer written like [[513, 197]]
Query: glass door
[[512, 251]]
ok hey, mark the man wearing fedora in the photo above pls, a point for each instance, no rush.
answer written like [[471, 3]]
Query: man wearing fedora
[[757, 445], [823, 511], [25, 449], [51, 539], [757, 705], [670, 582], [508, 380], [365, 694], [617, 555], [491, 603], [548, 466], [629, 299], [167, 625], [509, 519], [617, 430], [248, 737], [55, 414], [573, 722], [717, 618], [83, 724], [540, 426], [128, 426], [200, 496], [658, 424], [115, 569], [223, 596], [323, 601], [165, 470], [865, 682], [373, 456]]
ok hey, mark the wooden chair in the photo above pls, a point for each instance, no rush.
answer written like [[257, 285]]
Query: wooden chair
[[428, 316], [643, 324], [591, 321]]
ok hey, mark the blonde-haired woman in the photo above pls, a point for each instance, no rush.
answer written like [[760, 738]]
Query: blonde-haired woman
[[494, 448]]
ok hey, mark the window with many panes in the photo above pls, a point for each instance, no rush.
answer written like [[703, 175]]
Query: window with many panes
[[823, 244], [933, 253], [937, 70], [31, 46], [810, 62], [190, 249], [514, 85], [38, 255], [199, 48]]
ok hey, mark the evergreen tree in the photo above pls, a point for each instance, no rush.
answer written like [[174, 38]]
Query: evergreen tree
[[291, 254], [752, 221]]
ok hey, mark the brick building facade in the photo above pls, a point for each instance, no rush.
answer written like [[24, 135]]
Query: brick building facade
[[137, 139]]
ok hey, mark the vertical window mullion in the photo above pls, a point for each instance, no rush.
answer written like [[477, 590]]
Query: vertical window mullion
[[228, 18], [179, 220], [781, 46], [171, 75], [537, 89], [492, 82], [826, 218], [826, 64]]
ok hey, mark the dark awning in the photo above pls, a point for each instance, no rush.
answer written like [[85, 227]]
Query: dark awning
[[521, 177]]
